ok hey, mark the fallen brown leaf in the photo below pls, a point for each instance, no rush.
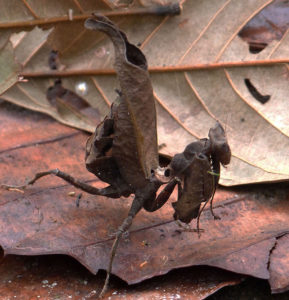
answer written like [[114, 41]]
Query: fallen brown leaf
[[46, 220]]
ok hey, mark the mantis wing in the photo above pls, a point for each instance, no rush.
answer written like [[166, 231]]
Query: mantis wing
[[135, 135]]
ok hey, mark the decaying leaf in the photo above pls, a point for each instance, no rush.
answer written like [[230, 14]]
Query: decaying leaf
[[46, 220], [190, 94]]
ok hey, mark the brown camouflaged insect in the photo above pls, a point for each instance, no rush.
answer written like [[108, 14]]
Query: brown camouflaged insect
[[198, 167], [123, 151]]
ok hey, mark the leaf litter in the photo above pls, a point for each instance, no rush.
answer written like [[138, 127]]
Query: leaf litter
[[281, 197]]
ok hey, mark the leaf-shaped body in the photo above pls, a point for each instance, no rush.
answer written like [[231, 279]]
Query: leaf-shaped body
[[198, 187], [135, 138], [98, 158]]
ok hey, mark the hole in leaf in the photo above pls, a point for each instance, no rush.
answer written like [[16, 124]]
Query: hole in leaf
[[269, 24], [256, 48], [254, 92]]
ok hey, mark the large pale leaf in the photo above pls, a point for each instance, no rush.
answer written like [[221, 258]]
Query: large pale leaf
[[199, 66]]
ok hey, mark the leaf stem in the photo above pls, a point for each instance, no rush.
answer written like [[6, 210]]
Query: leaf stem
[[157, 69], [155, 10]]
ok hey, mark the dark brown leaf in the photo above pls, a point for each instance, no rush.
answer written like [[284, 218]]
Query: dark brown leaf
[[243, 260], [46, 220]]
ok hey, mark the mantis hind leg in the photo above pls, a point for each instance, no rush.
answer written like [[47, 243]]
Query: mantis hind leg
[[124, 227], [137, 204]]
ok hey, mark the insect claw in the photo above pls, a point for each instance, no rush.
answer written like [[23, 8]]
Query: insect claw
[[187, 228], [216, 217], [125, 235], [195, 230]]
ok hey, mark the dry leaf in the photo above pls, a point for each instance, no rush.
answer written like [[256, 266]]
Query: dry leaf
[[182, 52], [46, 220]]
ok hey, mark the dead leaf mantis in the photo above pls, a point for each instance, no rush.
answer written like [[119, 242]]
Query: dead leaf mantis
[[123, 151]]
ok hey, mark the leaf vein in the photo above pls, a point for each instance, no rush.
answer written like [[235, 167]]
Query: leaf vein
[[239, 28], [204, 30]]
